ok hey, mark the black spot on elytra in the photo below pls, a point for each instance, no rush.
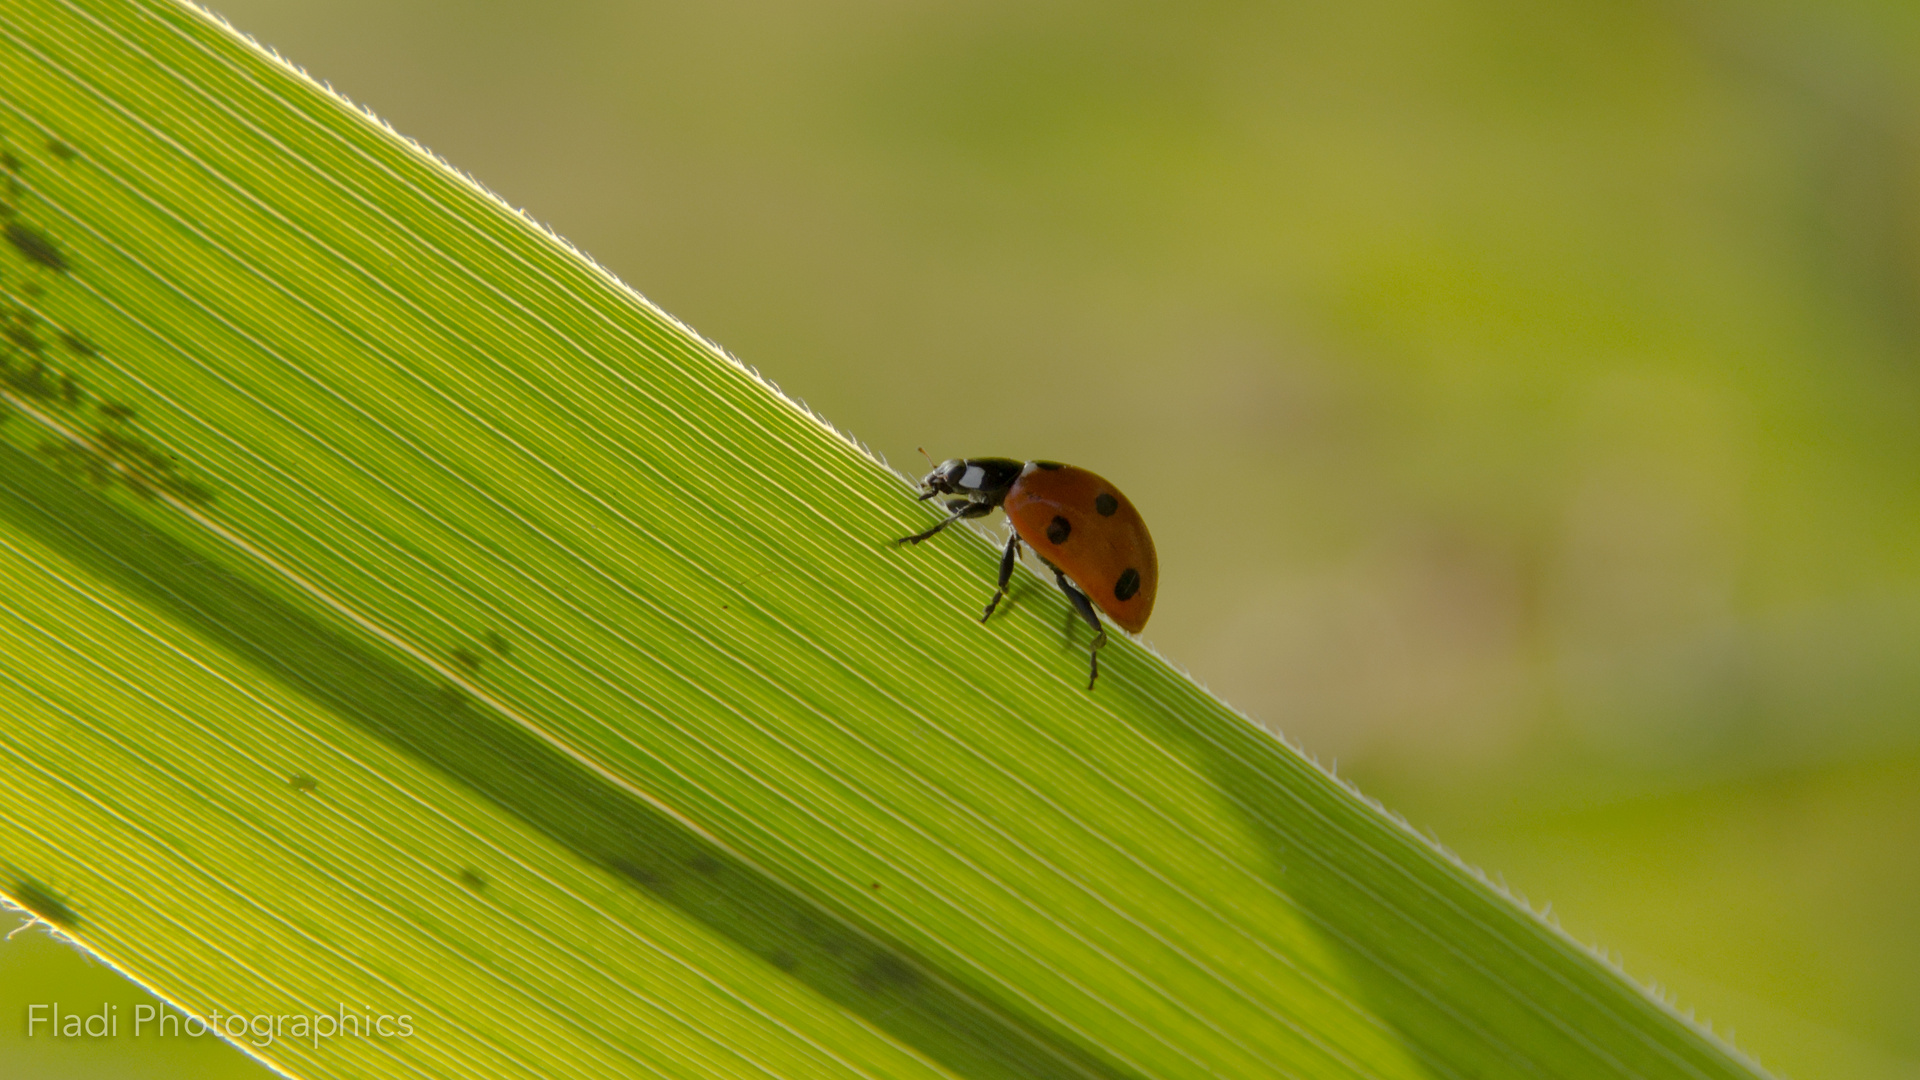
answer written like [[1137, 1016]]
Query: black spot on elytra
[[1059, 529], [1128, 584], [1106, 504], [44, 903], [34, 244]]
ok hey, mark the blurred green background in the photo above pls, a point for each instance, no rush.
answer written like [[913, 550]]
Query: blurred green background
[[1525, 397]]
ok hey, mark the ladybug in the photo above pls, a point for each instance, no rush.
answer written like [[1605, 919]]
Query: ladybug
[[1086, 532]]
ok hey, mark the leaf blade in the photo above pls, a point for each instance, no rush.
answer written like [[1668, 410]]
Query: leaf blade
[[443, 425]]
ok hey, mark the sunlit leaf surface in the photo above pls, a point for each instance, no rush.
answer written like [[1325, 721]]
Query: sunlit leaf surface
[[400, 618]]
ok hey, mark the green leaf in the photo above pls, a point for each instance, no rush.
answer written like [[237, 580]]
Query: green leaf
[[400, 617]]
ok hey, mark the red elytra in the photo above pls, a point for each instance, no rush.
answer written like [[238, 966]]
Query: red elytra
[[1085, 530]]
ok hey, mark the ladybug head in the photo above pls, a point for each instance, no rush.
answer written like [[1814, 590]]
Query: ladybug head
[[987, 477], [944, 479]]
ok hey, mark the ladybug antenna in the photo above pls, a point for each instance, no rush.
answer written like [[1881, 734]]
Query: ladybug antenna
[[931, 469]]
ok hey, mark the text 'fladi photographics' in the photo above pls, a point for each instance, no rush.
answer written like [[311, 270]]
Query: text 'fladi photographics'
[[49, 1020]]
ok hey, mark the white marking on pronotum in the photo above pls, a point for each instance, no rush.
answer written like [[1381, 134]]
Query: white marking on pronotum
[[973, 477]]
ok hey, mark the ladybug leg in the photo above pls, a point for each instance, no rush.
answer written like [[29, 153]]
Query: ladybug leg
[[1085, 607], [1007, 560], [961, 509]]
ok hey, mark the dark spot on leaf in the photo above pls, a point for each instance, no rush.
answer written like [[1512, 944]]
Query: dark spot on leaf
[[115, 442], [198, 494], [887, 972], [783, 960], [1106, 504], [80, 346], [1128, 584], [497, 643], [34, 244], [472, 879], [44, 903], [134, 452], [11, 163], [61, 150], [69, 391], [305, 785], [466, 658], [76, 460], [704, 864], [643, 876], [23, 338], [1059, 529]]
